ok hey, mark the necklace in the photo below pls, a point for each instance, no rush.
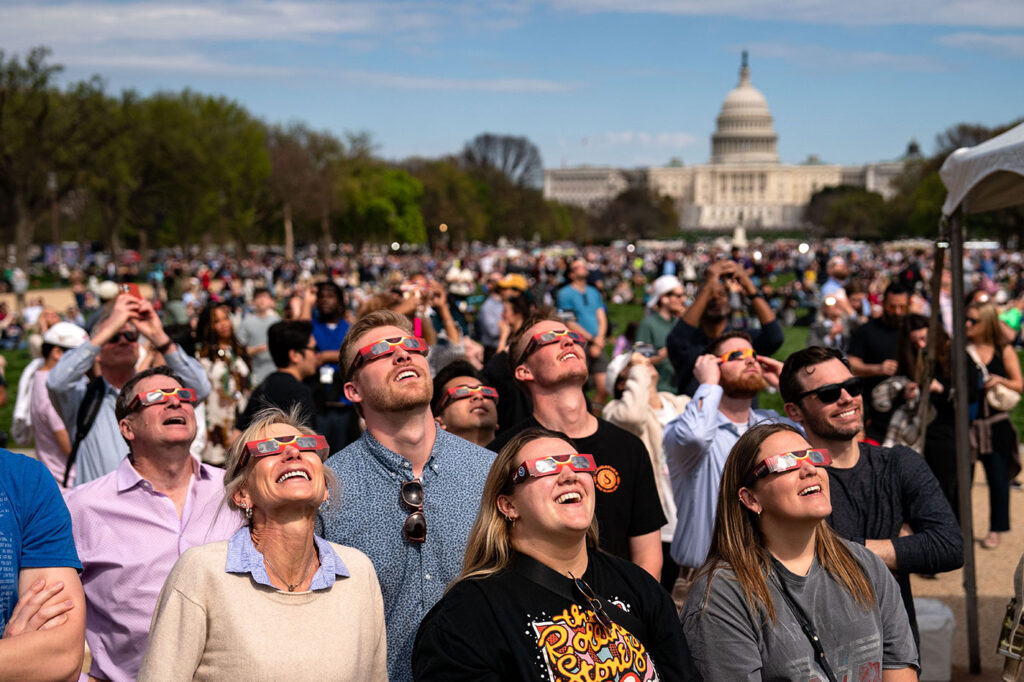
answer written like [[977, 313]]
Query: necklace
[[291, 588]]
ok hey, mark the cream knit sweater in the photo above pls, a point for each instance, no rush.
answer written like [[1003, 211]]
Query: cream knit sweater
[[213, 625]]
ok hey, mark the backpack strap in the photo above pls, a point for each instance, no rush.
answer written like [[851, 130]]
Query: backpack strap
[[87, 412]]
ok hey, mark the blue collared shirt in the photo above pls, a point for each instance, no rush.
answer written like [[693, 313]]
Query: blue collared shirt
[[243, 557], [696, 444], [367, 513]]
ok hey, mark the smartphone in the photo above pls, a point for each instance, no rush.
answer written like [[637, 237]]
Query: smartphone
[[131, 289]]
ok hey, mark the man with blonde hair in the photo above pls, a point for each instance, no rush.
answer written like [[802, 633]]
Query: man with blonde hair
[[409, 490]]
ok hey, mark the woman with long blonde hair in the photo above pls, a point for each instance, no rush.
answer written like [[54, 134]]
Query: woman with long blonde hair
[[781, 596], [994, 363], [536, 598]]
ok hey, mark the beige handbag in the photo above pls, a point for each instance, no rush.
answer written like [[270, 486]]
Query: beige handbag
[[1011, 636], [998, 397]]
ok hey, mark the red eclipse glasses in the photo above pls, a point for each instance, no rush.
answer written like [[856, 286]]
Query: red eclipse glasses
[[379, 349], [461, 392], [273, 446], [787, 461], [547, 338], [162, 395], [546, 466]]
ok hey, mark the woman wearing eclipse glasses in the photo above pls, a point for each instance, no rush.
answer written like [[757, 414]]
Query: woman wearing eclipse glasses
[[781, 596], [275, 601], [536, 599]]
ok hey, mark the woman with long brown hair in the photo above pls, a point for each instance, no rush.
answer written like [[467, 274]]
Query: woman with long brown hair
[[228, 366], [781, 596], [997, 364], [536, 598]]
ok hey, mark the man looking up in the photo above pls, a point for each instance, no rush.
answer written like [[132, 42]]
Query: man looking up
[[294, 351], [872, 353], [410, 490], [334, 417], [708, 318], [114, 344], [549, 363], [666, 306], [252, 333], [132, 524], [698, 441], [585, 302], [463, 405], [885, 498]]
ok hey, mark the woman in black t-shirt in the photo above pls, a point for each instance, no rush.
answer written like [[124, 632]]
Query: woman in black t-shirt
[[536, 598]]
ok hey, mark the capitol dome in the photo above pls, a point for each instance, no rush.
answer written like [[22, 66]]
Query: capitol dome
[[744, 132]]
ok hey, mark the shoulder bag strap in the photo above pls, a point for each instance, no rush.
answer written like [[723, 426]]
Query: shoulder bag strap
[[538, 573], [87, 412], [805, 625]]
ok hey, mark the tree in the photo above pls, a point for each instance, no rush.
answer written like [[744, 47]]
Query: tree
[[449, 197], [514, 157], [381, 203], [859, 214], [636, 213], [44, 133]]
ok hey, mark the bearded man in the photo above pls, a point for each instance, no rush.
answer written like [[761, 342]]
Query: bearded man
[[402, 476], [698, 441]]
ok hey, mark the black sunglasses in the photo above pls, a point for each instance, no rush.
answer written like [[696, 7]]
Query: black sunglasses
[[830, 393], [130, 335], [415, 527]]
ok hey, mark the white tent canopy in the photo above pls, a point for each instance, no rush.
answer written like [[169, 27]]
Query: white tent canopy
[[986, 177]]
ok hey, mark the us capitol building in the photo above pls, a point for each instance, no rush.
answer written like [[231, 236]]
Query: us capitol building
[[744, 185]]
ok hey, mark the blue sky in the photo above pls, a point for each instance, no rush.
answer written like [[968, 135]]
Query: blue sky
[[618, 82]]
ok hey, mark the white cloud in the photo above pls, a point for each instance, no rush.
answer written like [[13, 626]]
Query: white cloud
[[402, 82], [193, 64], [992, 13], [822, 57], [1004, 44]]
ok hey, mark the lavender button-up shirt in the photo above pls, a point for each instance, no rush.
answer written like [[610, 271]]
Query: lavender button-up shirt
[[128, 537]]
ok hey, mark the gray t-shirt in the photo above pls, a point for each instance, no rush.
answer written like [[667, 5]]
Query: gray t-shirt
[[730, 642], [253, 332]]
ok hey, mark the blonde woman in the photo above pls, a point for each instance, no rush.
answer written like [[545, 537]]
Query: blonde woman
[[536, 599], [996, 360], [275, 601], [781, 596]]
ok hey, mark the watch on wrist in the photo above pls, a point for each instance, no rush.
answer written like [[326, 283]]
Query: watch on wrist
[[164, 347]]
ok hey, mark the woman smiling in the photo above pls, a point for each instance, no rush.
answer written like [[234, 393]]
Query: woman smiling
[[780, 596], [274, 581], [536, 598]]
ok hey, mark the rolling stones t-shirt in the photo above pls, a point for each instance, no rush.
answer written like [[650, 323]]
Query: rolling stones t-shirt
[[508, 627]]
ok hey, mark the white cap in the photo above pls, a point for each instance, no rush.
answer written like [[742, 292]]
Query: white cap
[[107, 290], [615, 367], [65, 335], [662, 286]]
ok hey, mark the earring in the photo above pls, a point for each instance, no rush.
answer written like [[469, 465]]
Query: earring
[[511, 520], [326, 504], [759, 513], [248, 512]]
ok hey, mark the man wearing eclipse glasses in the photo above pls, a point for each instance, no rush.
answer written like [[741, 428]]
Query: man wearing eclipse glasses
[[549, 363], [114, 345], [132, 524], [884, 498], [463, 404], [410, 490], [697, 442]]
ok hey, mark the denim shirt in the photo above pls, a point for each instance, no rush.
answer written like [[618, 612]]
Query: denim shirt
[[243, 557], [367, 513]]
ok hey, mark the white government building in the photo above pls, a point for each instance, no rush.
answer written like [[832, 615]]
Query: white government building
[[744, 185]]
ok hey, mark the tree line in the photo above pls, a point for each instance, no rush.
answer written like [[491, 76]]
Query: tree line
[[184, 168]]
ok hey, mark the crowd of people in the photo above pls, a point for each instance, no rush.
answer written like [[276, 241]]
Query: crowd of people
[[438, 467]]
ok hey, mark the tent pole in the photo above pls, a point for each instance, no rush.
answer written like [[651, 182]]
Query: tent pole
[[963, 449]]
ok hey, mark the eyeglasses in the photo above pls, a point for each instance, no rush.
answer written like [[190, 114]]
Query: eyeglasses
[[415, 527], [830, 393], [593, 601], [162, 395], [787, 461], [736, 355], [972, 320], [546, 466], [276, 445], [129, 335], [460, 392], [379, 349], [547, 338]]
